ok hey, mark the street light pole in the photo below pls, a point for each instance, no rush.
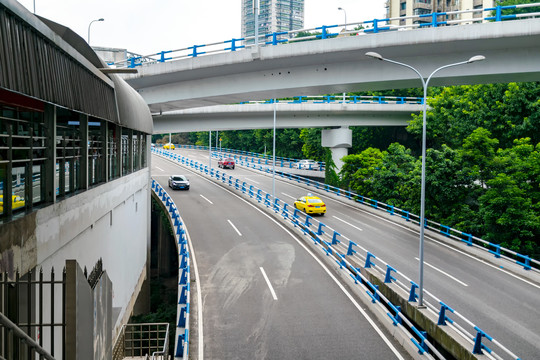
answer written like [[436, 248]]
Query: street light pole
[[425, 84], [274, 156], [256, 15], [101, 19], [340, 8]]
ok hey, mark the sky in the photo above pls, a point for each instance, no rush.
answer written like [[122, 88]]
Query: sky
[[150, 26]]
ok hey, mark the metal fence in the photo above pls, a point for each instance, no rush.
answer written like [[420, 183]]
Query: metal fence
[[184, 294], [31, 322], [149, 340]]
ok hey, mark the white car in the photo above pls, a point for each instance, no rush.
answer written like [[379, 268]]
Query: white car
[[307, 165]]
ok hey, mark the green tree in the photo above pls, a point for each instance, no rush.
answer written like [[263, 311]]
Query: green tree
[[395, 170], [508, 215], [478, 152], [311, 147], [358, 170], [517, 10]]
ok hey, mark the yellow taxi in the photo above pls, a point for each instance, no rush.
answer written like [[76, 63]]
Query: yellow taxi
[[16, 202], [310, 205], [169, 146]]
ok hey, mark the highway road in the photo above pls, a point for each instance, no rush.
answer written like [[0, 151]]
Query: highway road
[[265, 295], [502, 304]]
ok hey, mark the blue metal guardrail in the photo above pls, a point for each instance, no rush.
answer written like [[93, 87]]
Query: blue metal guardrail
[[181, 345], [255, 158], [436, 19], [352, 257], [347, 99]]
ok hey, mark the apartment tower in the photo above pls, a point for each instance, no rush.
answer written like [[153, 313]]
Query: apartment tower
[[274, 16], [401, 8]]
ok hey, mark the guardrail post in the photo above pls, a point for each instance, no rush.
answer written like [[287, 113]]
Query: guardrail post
[[184, 277], [468, 239], [335, 239], [395, 319], [497, 251], [375, 296], [276, 205], [342, 262], [350, 250], [182, 317], [259, 195], [422, 346], [184, 261], [307, 223], [369, 263], [445, 230], [412, 293], [320, 230], [375, 203], [388, 277], [405, 215], [478, 346], [526, 262], [183, 295], [390, 209], [267, 201], [442, 314], [233, 44]]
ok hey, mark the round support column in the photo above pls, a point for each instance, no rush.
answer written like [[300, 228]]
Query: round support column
[[338, 140]]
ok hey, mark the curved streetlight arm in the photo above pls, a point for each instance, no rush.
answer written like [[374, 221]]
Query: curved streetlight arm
[[345, 13], [91, 22]]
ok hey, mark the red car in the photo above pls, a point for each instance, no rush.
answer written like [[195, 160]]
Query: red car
[[226, 163]]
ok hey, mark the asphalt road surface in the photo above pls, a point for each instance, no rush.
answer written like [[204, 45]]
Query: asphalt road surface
[[264, 294], [502, 304]]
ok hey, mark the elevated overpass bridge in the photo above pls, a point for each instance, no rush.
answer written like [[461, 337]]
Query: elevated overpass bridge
[[336, 65]]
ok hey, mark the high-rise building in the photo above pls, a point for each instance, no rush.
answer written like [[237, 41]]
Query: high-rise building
[[274, 16], [402, 8]]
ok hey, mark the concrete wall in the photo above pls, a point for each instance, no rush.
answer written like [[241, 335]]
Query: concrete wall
[[110, 221]]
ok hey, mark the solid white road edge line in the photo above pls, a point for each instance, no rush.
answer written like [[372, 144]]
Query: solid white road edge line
[[234, 227], [443, 272], [206, 199], [160, 169], [348, 223], [268, 283], [354, 302]]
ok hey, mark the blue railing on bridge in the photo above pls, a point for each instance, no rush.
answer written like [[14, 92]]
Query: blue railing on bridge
[[338, 99], [181, 349], [255, 158], [349, 256], [374, 26]]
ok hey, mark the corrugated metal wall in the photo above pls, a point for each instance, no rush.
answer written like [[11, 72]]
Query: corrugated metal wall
[[33, 65]]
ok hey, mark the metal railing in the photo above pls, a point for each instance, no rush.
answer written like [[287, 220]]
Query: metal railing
[[32, 308], [25, 344], [184, 294], [436, 19], [150, 340], [356, 260]]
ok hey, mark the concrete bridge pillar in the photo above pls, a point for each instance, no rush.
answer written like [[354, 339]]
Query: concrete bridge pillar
[[338, 140]]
